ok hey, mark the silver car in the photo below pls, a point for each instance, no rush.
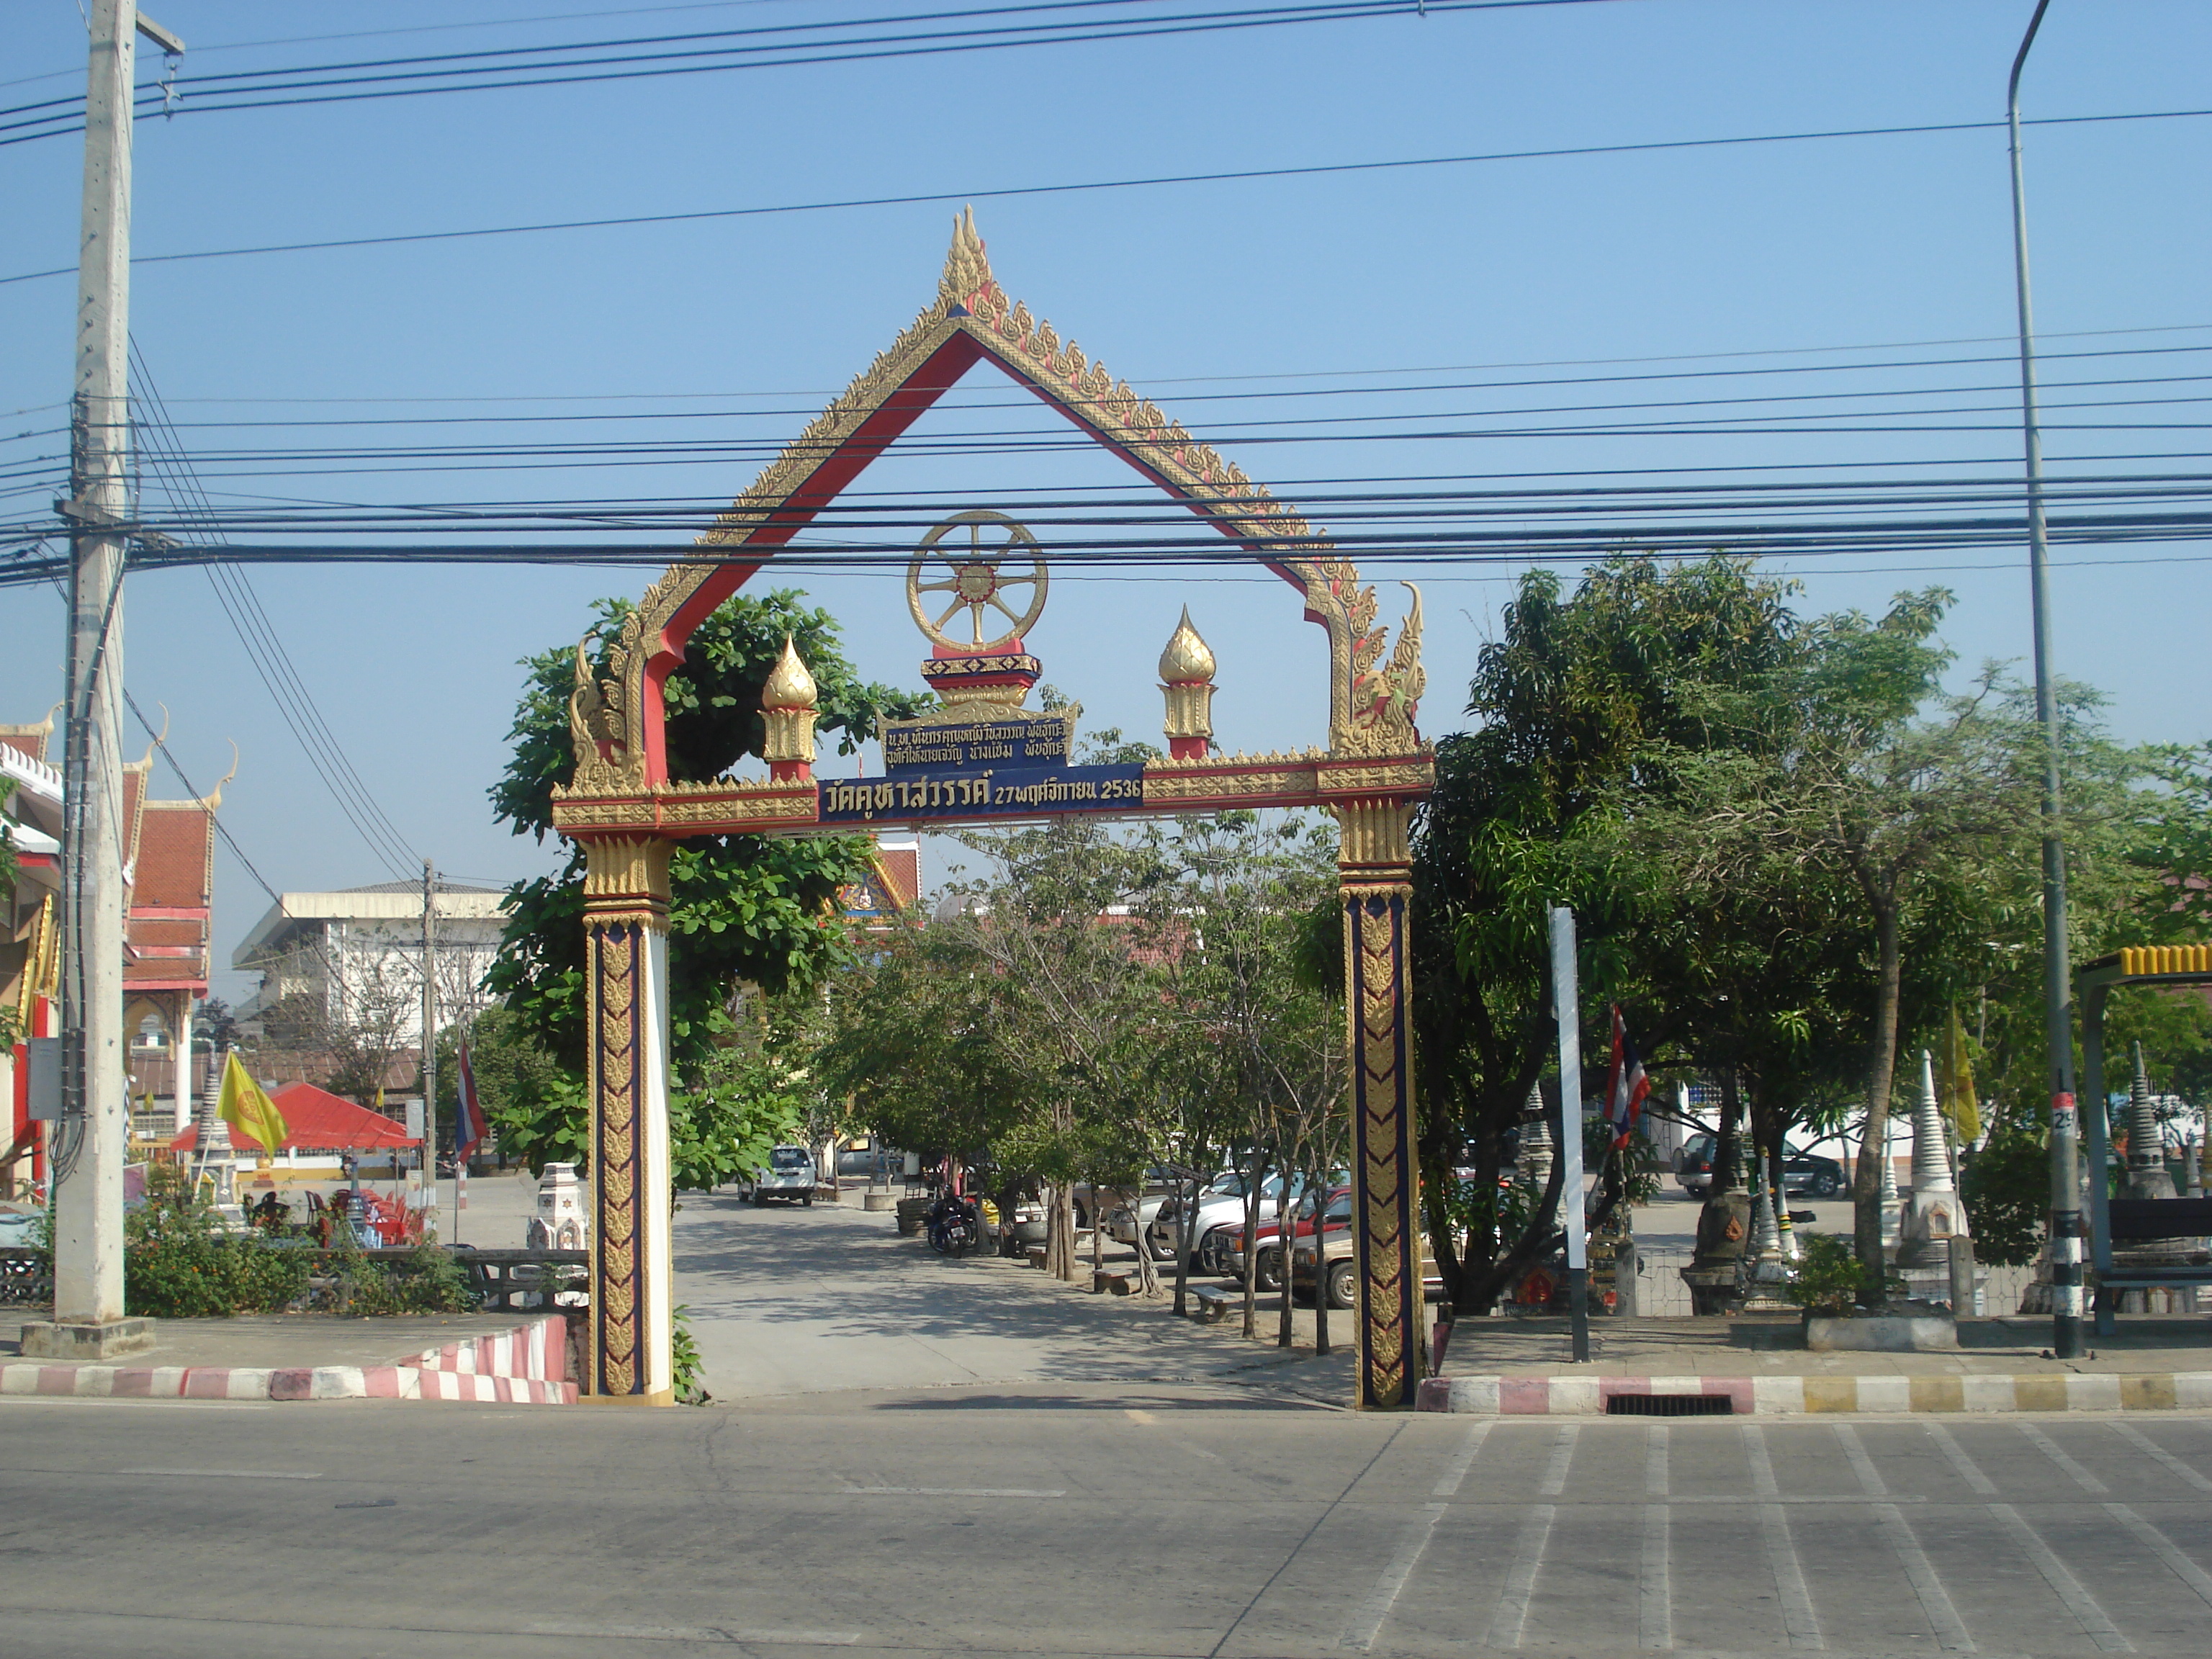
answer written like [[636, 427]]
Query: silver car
[[789, 1175]]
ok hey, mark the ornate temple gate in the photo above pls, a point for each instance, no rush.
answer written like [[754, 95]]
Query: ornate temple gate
[[627, 814]]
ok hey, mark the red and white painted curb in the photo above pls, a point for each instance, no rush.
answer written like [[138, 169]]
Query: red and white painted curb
[[1792, 1396], [524, 1366]]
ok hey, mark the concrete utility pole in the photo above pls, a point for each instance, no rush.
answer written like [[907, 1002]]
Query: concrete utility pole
[[92, 1138], [2057, 974], [430, 1038], [1566, 1006]]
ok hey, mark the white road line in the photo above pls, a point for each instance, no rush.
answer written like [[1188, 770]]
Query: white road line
[[1366, 1621], [2049, 1449], [1935, 1600], [1654, 1592], [2079, 1602], [233, 1475], [1512, 1615], [2152, 1448], [1563, 1458], [1448, 1483], [1654, 1461], [2156, 1542], [949, 1491], [1797, 1619], [1975, 1479], [733, 1635]]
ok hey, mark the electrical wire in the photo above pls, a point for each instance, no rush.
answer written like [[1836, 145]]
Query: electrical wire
[[1228, 176]]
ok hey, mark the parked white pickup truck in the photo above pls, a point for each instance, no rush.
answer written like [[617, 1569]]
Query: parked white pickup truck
[[789, 1175]]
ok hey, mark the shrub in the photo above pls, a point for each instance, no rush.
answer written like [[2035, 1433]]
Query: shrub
[[428, 1280], [177, 1263], [2006, 1189], [1831, 1279]]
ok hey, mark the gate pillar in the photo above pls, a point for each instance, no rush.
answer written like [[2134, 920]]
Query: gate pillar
[[1375, 882], [626, 976]]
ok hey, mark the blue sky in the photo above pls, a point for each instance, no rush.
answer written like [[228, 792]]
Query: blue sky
[[1190, 292]]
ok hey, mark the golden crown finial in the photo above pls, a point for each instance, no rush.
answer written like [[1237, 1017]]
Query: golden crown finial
[[789, 685], [1187, 660]]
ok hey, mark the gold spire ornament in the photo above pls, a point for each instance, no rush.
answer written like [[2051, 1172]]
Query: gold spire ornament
[[1186, 680], [788, 705]]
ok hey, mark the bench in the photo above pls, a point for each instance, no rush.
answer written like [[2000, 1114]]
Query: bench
[[1209, 1304], [2143, 1220]]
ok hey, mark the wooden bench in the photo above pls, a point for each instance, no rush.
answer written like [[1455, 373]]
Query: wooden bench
[[2143, 1220]]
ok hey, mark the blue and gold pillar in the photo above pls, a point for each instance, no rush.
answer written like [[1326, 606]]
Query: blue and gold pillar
[[626, 973], [1374, 880]]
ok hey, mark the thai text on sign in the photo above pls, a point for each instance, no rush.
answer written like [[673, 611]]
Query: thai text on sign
[[1018, 791], [974, 745]]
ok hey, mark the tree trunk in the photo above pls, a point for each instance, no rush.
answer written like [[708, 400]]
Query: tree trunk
[[1186, 1226], [1321, 1281], [1252, 1245], [1061, 1222], [1284, 1240], [1097, 1235], [1881, 1075]]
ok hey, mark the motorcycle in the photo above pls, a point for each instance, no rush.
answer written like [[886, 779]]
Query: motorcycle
[[954, 1225]]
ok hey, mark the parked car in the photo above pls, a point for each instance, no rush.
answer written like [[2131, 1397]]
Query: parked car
[[1220, 1205], [1342, 1268], [1221, 1251], [1803, 1172], [788, 1175]]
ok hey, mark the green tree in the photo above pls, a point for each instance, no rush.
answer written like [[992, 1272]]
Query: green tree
[[743, 909]]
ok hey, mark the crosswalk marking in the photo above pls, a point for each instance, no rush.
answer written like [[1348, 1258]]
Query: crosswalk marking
[[1797, 1620], [2152, 1448], [1955, 1455], [2157, 1543], [1511, 1617], [1448, 1483], [2079, 1602], [1655, 1594], [1366, 1620], [2051, 1450], [1935, 1600], [1655, 1462], [1563, 1457]]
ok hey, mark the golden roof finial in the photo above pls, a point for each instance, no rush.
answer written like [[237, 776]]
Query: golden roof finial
[[213, 799], [967, 267], [1188, 660], [789, 685]]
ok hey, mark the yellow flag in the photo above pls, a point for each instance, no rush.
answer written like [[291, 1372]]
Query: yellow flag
[[1957, 1092], [244, 1107]]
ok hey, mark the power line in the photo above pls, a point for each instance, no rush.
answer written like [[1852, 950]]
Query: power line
[[1239, 175]]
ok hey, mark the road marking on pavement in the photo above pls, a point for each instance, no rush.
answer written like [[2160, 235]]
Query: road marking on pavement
[[1935, 1600], [1797, 1618], [1975, 1479], [233, 1475], [2155, 1541], [730, 1634], [1448, 1483], [1655, 1590], [952, 1492], [1563, 1457], [1139, 1417], [2079, 1602], [1511, 1617], [2152, 1448], [1655, 1593], [2051, 1449], [1366, 1620]]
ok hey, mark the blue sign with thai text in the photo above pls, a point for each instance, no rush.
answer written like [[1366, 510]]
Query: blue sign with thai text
[[1014, 792]]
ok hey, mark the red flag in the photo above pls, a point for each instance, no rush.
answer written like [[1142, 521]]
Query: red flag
[[469, 1122], [1625, 1089]]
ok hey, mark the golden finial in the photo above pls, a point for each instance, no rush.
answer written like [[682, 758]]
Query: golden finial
[[1188, 660], [967, 267], [789, 685]]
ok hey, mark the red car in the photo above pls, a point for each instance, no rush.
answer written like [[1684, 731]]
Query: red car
[[1222, 1250]]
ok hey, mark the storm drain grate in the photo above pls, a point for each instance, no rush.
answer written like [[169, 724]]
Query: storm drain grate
[[1670, 1405]]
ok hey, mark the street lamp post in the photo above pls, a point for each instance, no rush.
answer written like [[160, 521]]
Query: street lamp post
[[2058, 991]]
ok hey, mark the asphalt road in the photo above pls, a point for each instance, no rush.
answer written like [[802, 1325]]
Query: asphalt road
[[1007, 1469]]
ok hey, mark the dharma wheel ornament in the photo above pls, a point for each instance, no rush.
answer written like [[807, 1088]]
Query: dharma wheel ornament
[[987, 566], [1187, 680], [788, 705]]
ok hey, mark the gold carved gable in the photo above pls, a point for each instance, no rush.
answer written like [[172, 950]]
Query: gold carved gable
[[1372, 701]]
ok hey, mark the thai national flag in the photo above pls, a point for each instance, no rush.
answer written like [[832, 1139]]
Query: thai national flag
[[469, 1127], [1625, 1090]]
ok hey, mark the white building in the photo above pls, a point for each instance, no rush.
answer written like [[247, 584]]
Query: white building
[[358, 953]]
